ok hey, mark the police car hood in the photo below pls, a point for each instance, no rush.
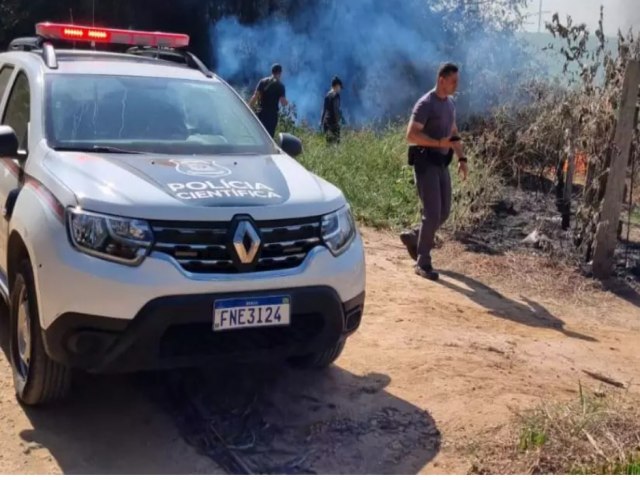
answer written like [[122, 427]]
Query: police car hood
[[194, 188]]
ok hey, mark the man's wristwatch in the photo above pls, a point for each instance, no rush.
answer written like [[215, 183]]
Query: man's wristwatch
[[462, 160]]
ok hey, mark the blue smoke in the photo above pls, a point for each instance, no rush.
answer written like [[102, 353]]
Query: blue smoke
[[386, 52]]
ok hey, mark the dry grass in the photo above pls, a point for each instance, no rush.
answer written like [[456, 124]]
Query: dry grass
[[596, 433], [539, 275]]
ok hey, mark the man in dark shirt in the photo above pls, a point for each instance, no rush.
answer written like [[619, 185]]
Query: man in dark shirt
[[269, 95], [433, 136], [331, 114]]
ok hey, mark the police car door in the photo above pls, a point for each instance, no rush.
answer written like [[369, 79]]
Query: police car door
[[15, 107]]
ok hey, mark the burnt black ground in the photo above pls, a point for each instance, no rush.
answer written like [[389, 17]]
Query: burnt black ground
[[531, 207], [271, 419]]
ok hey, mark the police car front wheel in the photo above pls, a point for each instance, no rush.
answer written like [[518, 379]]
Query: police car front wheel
[[37, 378]]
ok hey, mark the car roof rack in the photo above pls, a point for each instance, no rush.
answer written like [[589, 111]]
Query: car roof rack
[[25, 44], [48, 53], [161, 46], [36, 45], [172, 55]]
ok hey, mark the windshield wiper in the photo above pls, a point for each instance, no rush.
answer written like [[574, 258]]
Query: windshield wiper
[[98, 149]]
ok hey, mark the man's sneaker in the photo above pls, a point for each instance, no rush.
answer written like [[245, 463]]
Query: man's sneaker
[[410, 241], [427, 272]]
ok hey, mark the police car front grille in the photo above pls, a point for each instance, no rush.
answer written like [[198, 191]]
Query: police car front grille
[[206, 247]]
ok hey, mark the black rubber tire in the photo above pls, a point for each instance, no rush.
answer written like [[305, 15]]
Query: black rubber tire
[[46, 381], [319, 360]]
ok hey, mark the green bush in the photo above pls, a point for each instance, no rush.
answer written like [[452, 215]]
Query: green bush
[[371, 169]]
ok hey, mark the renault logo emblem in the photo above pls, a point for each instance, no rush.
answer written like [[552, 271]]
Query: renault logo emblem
[[246, 242]]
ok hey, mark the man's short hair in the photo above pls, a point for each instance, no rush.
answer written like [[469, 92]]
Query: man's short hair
[[276, 69], [447, 69], [336, 81]]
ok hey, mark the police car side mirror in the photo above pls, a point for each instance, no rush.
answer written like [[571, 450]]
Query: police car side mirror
[[291, 145], [8, 142]]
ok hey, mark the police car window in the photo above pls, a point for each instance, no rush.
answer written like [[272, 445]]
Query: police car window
[[5, 76], [18, 109], [150, 114]]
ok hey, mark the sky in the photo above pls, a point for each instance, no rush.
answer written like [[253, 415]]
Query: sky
[[617, 13]]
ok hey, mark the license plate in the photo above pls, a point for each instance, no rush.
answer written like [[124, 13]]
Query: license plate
[[251, 313]]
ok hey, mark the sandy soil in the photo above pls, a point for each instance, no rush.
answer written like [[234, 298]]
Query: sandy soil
[[434, 367]]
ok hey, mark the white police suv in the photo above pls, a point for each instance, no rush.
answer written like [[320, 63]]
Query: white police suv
[[149, 221]]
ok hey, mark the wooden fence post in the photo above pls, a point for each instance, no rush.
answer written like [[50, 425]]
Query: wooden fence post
[[568, 184], [606, 238]]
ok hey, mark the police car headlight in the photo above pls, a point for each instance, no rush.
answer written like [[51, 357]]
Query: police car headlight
[[338, 230], [121, 240]]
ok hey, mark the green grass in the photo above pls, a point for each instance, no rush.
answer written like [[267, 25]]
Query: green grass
[[530, 438], [631, 467], [372, 172], [371, 169]]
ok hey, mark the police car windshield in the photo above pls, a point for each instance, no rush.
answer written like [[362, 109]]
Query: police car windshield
[[147, 114]]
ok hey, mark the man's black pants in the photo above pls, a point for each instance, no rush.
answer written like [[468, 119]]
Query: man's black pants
[[332, 132], [270, 122], [433, 183]]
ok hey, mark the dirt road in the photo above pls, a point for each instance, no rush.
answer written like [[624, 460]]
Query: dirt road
[[434, 367]]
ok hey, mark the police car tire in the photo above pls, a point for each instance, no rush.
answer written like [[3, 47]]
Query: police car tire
[[320, 360], [46, 381]]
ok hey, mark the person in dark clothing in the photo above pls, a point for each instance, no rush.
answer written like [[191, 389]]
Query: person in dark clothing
[[332, 114], [433, 136], [269, 95]]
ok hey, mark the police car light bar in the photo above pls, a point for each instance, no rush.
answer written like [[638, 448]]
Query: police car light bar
[[58, 31]]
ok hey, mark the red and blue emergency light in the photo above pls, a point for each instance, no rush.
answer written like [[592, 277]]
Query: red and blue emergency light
[[77, 33]]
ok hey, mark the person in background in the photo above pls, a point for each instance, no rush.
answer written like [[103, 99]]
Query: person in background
[[331, 113], [433, 138], [269, 95]]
